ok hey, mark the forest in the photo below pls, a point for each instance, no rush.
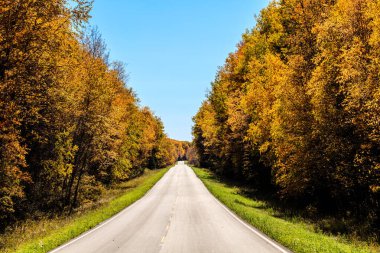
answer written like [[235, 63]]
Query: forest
[[295, 111], [69, 124]]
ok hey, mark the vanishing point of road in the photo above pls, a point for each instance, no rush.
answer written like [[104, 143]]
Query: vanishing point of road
[[177, 215]]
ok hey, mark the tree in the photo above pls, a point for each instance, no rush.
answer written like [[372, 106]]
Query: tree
[[69, 125], [32, 40], [296, 107]]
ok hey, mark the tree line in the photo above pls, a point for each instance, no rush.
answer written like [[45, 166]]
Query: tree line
[[69, 125], [296, 108]]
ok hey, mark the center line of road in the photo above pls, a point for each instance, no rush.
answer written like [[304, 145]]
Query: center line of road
[[172, 213], [172, 217]]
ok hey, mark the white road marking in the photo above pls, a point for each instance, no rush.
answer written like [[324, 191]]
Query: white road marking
[[99, 225], [258, 233]]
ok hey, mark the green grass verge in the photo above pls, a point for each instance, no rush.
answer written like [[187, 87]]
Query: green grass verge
[[44, 235], [297, 235]]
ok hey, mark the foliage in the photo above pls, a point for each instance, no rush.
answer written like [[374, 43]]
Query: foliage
[[69, 125], [295, 110]]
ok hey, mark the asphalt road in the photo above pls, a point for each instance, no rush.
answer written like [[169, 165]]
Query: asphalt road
[[177, 215]]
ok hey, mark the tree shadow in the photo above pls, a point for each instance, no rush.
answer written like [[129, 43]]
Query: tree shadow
[[330, 223]]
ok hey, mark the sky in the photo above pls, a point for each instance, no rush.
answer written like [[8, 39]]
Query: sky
[[172, 49]]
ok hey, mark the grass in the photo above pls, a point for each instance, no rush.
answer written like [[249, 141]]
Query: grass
[[47, 234], [295, 234]]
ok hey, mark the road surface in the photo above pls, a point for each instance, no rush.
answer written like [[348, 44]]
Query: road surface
[[177, 215]]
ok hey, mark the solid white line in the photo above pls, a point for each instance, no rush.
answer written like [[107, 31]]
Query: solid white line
[[93, 229], [106, 221], [275, 245], [255, 231]]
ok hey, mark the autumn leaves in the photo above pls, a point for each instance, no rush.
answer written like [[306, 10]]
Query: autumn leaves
[[69, 126], [296, 107]]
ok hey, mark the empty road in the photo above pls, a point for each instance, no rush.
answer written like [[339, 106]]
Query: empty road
[[177, 215]]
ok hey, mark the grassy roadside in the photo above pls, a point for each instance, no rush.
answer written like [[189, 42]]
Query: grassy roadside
[[295, 234], [44, 235]]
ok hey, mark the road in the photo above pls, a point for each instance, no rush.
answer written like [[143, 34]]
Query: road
[[177, 215]]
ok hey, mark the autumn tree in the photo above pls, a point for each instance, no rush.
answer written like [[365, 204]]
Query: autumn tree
[[32, 40], [296, 106], [69, 125]]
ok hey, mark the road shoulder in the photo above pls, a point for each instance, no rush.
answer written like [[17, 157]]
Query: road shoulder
[[297, 236], [45, 235]]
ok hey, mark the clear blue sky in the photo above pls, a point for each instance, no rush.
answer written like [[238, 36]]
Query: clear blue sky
[[172, 49]]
